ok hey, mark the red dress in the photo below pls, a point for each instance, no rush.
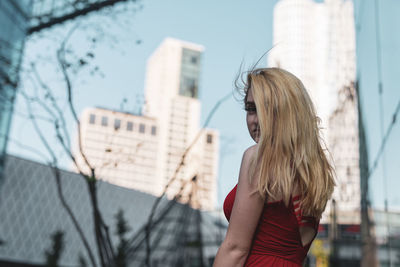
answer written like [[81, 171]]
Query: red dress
[[277, 240]]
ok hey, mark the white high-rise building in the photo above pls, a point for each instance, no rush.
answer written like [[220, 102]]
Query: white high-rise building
[[155, 149], [172, 84], [344, 147], [316, 42]]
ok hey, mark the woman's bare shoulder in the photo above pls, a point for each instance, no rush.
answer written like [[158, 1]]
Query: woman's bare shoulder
[[250, 151], [247, 161]]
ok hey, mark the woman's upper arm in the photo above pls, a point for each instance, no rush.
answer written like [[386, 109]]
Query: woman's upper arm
[[247, 207]]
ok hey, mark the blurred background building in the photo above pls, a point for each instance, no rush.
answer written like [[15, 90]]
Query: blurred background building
[[14, 18], [172, 96], [32, 213], [147, 151], [344, 148], [121, 147]]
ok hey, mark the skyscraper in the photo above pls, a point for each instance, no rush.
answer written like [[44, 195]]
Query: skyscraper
[[172, 84], [165, 143], [316, 42], [343, 145]]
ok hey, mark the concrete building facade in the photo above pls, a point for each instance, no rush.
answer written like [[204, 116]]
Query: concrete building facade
[[121, 147], [344, 148], [165, 146], [172, 88]]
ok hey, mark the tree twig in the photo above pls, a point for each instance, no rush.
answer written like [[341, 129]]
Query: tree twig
[[104, 246], [53, 165]]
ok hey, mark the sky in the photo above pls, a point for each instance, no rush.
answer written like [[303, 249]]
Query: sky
[[232, 32]]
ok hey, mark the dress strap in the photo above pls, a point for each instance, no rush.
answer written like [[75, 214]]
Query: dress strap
[[301, 219]]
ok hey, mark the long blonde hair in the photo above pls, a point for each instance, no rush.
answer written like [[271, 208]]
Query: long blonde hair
[[289, 148]]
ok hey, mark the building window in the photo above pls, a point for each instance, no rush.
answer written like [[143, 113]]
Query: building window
[[117, 124], [209, 139], [92, 119], [153, 130], [141, 128], [104, 121], [190, 73], [129, 126], [189, 86]]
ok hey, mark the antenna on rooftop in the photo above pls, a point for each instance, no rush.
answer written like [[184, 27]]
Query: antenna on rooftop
[[139, 105], [123, 102]]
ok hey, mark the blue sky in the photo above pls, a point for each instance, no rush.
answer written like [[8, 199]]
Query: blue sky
[[231, 32]]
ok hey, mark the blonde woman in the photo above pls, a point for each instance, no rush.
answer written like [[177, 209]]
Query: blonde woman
[[285, 179]]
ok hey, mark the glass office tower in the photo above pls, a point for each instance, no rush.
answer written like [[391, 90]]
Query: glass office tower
[[14, 18]]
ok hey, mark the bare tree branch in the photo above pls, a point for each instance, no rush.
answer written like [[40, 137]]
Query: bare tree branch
[[53, 164], [56, 116], [63, 65], [53, 101], [104, 246]]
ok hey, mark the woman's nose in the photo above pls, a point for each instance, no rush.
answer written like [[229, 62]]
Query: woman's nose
[[255, 118]]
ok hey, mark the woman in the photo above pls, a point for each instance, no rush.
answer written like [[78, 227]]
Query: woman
[[285, 180]]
